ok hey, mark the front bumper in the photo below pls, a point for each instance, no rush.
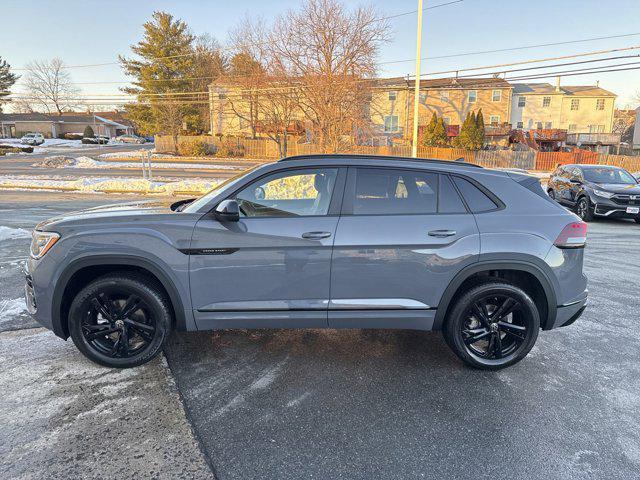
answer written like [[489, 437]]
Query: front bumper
[[603, 207]]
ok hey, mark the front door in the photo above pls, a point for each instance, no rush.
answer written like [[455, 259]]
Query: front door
[[403, 236], [271, 268]]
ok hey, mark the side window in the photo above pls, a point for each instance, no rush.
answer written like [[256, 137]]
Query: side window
[[289, 194], [449, 201], [477, 200], [390, 191]]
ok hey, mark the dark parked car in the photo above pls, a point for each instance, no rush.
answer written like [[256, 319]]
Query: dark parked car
[[596, 191], [324, 241], [96, 140]]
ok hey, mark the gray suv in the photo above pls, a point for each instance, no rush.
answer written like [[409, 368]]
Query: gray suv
[[326, 241]]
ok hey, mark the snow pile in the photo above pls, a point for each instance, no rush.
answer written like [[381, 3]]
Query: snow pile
[[61, 161], [134, 154], [9, 233], [110, 185]]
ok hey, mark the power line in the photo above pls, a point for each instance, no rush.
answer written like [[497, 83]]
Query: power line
[[539, 45], [605, 69]]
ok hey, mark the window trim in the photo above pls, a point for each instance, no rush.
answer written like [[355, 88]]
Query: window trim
[[350, 193], [475, 97], [395, 95], [522, 101], [601, 101], [335, 204], [493, 96], [544, 100]]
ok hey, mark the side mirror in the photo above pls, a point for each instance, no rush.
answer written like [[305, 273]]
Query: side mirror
[[228, 211]]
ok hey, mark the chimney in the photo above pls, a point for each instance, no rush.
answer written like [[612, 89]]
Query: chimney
[[558, 84], [598, 83]]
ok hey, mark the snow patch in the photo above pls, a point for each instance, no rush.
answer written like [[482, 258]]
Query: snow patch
[[12, 308], [9, 233], [109, 185]]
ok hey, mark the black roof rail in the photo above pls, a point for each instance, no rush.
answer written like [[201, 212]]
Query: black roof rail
[[458, 162]]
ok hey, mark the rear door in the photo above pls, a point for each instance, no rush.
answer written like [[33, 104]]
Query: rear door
[[402, 236]]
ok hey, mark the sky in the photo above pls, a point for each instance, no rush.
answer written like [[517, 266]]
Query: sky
[[89, 31]]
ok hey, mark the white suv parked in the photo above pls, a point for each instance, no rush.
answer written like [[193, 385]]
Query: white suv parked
[[32, 139]]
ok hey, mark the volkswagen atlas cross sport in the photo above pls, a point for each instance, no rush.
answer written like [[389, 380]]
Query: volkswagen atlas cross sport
[[596, 191], [325, 241]]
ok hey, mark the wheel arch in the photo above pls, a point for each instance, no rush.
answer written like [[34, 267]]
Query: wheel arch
[[74, 276], [544, 294]]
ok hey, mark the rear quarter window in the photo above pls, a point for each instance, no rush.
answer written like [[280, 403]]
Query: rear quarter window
[[476, 199]]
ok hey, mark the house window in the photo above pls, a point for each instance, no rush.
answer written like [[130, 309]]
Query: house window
[[444, 95], [393, 95], [596, 128], [473, 96], [539, 125], [522, 101], [423, 97], [575, 103], [222, 96], [600, 104], [446, 120], [519, 125], [494, 119], [573, 127], [546, 102], [390, 123], [496, 96], [548, 125]]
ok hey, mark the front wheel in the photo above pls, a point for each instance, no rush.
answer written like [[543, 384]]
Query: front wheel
[[583, 209], [120, 320], [552, 194], [492, 326]]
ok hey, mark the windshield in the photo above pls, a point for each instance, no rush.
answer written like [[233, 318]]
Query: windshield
[[203, 200], [608, 175]]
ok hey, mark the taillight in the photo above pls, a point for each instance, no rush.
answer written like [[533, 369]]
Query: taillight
[[573, 235]]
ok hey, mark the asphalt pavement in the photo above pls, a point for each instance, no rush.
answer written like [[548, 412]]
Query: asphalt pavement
[[345, 404]]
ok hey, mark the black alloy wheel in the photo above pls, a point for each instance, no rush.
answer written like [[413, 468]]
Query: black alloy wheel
[[119, 321], [493, 325]]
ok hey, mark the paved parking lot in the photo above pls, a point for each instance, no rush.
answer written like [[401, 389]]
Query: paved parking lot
[[373, 404]]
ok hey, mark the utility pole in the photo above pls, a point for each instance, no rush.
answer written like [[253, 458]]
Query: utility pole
[[416, 90]]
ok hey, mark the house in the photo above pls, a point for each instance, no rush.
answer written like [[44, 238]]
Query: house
[[391, 108], [15, 125], [577, 109]]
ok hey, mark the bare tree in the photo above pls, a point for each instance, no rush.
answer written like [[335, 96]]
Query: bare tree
[[210, 63], [49, 85], [332, 53]]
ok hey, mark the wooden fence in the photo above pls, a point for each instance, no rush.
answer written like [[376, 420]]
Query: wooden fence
[[526, 160]]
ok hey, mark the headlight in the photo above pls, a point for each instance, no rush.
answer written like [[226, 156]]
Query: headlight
[[602, 194], [41, 242]]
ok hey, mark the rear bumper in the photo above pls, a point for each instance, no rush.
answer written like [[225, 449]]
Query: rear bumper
[[569, 313]]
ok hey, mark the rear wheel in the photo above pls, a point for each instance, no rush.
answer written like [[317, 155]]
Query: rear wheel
[[583, 209], [552, 194], [492, 326], [119, 321]]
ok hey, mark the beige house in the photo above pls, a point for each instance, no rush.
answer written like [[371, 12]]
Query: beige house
[[391, 108], [577, 109]]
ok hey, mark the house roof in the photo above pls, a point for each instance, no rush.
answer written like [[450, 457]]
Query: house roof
[[548, 89], [444, 83], [65, 118]]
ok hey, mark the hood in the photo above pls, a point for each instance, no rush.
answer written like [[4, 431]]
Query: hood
[[624, 188], [110, 213]]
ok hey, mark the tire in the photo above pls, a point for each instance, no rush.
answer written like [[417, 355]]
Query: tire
[[552, 194], [637, 220], [476, 338], [583, 209], [119, 307]]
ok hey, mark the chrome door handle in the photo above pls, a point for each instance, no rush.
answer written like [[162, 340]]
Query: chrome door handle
[[316, 235], [442, 233]]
